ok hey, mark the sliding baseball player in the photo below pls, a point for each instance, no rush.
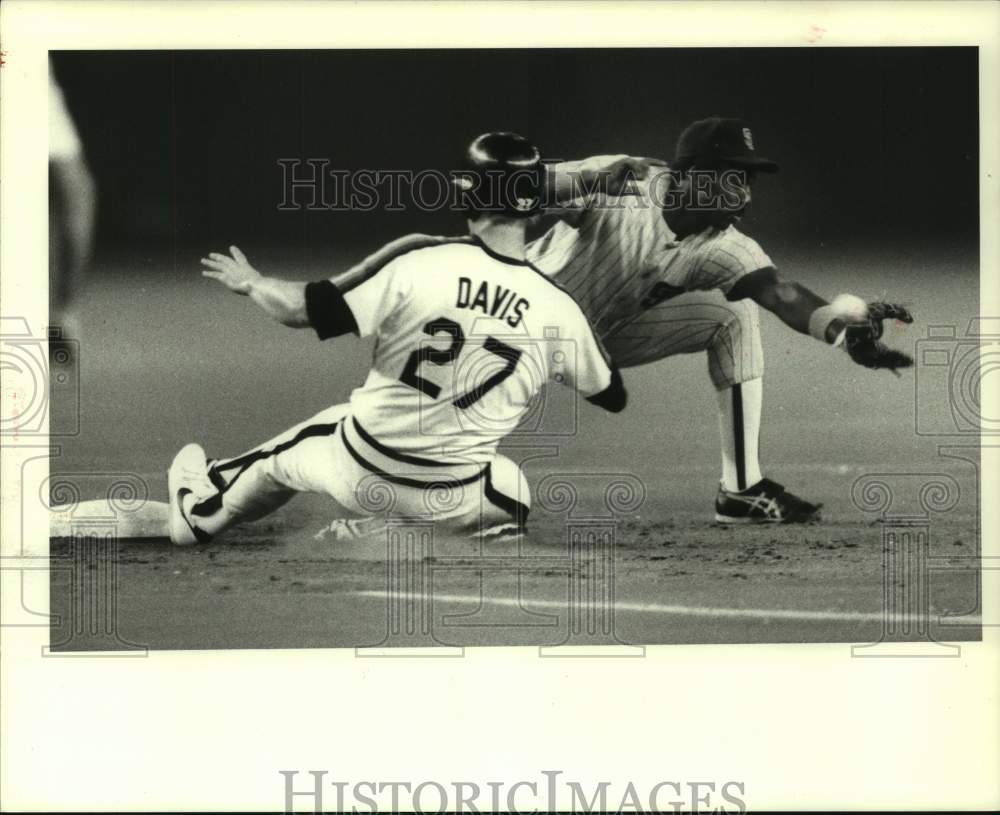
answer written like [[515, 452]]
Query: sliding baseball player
[[464, 343]]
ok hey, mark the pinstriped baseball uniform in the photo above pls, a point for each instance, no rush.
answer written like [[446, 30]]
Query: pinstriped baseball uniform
[[651, 295]]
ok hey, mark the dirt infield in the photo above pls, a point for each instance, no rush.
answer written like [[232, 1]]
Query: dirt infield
[[832, 432]]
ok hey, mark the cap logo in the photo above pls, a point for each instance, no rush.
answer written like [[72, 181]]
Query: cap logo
[[748, 138]]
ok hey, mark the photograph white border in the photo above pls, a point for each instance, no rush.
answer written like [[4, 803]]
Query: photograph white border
[[802, 726]]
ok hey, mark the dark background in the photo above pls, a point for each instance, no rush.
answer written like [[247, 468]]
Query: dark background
[[876, 145]]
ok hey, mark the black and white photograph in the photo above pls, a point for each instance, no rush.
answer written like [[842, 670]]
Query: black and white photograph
[[651, 371], [410, 351]]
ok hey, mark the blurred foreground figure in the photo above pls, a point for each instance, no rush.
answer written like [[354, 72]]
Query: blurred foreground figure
[[72, 207]]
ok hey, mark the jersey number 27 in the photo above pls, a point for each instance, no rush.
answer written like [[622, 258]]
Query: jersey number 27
[[447, 356]]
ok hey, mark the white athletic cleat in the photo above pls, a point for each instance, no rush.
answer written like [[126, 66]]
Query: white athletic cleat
[[500, 531], [187, 484], [350, 529]]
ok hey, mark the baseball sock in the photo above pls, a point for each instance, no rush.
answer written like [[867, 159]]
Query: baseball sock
[[739, 429]]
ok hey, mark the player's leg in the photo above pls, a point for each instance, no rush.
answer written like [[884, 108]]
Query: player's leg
[[729, 332], [467, 497], [500, 505], [209, 497], [736, 368]]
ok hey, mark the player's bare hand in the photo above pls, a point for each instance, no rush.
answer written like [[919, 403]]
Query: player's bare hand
[[233, 271]]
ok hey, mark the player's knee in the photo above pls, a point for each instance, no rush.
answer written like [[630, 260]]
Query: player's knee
[[738, 333], [736, 353], [742, 317]]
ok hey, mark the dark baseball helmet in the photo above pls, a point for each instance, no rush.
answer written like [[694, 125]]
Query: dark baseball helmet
[[715, 140], [502, 173]]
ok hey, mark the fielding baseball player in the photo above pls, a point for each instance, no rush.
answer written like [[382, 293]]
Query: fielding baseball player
[[458, 359], [660, 268]]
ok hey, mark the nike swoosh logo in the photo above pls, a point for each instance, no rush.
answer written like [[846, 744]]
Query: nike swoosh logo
[[200, 536]]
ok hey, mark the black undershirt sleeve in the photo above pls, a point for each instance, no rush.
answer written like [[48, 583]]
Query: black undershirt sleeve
[[614, 397], [328, 311], [745, 286]]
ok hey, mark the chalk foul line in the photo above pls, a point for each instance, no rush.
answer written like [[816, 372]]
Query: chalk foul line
[[693, 611]]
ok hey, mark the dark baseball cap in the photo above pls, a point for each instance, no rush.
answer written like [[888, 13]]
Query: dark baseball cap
[[713, 140]]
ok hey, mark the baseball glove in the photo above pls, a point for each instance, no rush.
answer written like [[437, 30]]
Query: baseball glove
[[863, 341]]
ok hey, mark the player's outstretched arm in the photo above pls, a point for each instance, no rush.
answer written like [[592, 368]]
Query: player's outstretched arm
[[284, 300], [847, 321], [793, 303], [570, 181]]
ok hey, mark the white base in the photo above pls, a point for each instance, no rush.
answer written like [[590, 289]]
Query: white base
[[103, 518]]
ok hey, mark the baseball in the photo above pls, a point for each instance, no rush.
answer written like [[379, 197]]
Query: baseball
[[850, 308]]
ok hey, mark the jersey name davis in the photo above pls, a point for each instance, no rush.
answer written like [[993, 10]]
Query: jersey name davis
[[494, 301]]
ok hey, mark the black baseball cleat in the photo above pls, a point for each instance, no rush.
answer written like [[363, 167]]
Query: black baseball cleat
[[766, 502]]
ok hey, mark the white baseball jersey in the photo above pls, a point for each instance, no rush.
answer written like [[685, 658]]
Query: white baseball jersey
[[465, 338], [619, 257]]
